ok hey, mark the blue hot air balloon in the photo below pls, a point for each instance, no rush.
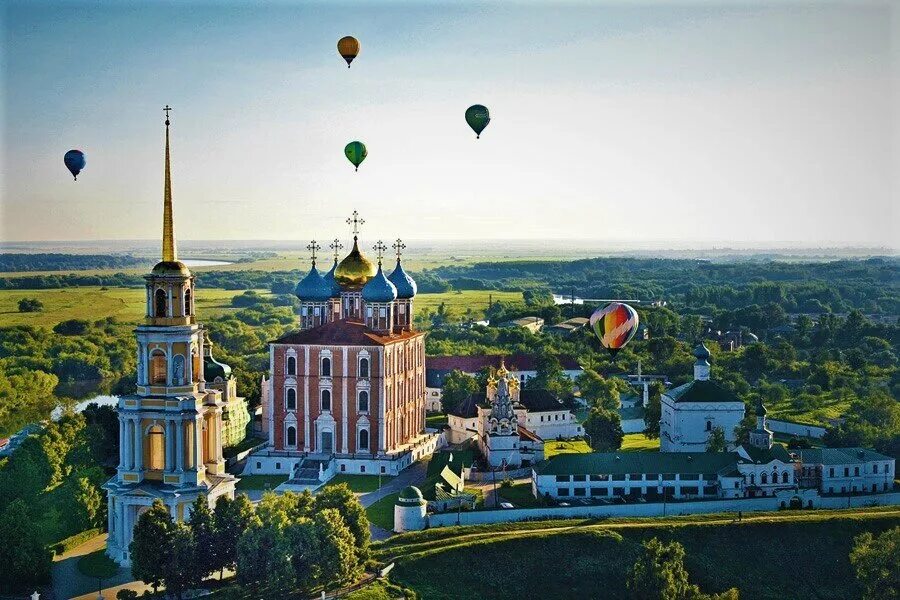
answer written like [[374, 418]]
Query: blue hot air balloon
[[75, 162]]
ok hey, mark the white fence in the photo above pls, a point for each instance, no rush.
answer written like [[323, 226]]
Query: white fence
[[655, 509], [800, 429]]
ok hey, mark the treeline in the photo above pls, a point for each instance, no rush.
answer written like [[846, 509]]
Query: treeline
[[871, 285], [68, 262]]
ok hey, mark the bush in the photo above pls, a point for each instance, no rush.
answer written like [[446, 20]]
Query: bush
[[27, 305], [74, 541], [72, 327]]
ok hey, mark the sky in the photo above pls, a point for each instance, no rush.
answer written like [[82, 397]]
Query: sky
[[695, 123]]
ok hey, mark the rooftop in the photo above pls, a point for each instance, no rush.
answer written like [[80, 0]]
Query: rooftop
[[840, 456], [345, 332], [620, 463], [701, 391]]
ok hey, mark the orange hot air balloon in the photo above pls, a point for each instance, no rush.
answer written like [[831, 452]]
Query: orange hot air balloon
[[615, 324], [348, 47]]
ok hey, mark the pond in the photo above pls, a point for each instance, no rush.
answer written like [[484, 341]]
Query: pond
[[102, 400], [199, 262]]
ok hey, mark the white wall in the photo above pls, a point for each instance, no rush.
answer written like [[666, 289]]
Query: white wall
[[654, 509], [790, 428], [633, 426], [683, 424]]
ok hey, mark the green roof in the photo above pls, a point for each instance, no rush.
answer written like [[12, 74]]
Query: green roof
[[213, 368], [701, 391], [840, 456], [767, 455], [411, 493], [620, 463]]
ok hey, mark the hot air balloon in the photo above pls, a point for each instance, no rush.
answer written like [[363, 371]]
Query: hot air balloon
[[74, 160], [356, 153], [478, 117], [615, 324], [348, 47]]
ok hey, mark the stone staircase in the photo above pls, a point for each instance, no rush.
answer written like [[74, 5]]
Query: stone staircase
[[309, 472]]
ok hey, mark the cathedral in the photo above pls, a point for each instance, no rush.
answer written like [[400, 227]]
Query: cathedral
[[171, 431], [346, 391]]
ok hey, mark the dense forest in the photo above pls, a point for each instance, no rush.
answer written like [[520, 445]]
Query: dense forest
[[68, 262]]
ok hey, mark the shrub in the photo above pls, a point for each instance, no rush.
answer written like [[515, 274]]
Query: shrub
[[27, 305]]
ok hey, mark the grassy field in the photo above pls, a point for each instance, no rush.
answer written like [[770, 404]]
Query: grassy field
[[799, 555], [553, 447], [359, 483], [635, 442], [519, 494], [127, 304], [94, 303], [381, 513], [260, 482], [831, 409]]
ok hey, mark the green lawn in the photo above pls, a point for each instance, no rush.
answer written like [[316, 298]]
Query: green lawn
[[435, 420], [831, 409], [381, 513], [94, 303], [97, 565], [359, 483], [519, 494], [635, 442], [552, 448], [260, 482], [801, 555], [458, 302]]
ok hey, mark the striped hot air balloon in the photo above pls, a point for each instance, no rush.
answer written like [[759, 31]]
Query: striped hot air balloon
[[615, 324]]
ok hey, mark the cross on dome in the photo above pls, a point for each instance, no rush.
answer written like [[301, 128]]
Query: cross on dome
[[313, 247], [379, 249], [356, 221], [398, 247], [167, 109], [336, 247]]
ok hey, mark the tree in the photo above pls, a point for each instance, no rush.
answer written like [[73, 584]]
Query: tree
[[26, 560], [264, 556], [180, 574], [747, 424], [877, 564], [338, 558], [342, 499], [457, 387], [659, 574], [202, 528], [231, 519], [84, 503], [305, 552], [549, 375], [27, 305], [716, 441], [653, 415], [604, 429], [151, 545], [601, 391]]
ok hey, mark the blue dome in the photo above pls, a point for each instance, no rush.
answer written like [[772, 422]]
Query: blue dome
[[313, 287], [406, 285], [330, 280], [702, 352], [379, 289]]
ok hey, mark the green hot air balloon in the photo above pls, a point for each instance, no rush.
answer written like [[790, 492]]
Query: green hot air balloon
[[478, 117], [356, 153]]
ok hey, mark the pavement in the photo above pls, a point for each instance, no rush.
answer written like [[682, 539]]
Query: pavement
[[69, 582], [414, 475]]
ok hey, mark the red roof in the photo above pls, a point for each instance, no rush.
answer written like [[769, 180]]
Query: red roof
[[473, 364], [345, 333], [528, 436]]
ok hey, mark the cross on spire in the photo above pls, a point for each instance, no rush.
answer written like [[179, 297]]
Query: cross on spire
[[313, 247], [167, 109], [336, 247], [398, 247], [356, 221], [379, 249]]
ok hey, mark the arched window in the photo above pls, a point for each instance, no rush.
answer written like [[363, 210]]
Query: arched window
[[709, 425], [291, 365], [187, 303], [752, 479], [291, 399], [326, 367], [326, 399], [178, 369], [291, 436], [363, 401], [161, 304], [363, 439], [156, 449], [158, 368], [364, 367], [764, 479], [784, 477]]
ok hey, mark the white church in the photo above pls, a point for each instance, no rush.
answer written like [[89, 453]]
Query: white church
[[691, 412]]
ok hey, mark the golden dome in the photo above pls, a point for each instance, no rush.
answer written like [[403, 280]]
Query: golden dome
[[171, 268], [355, 270]]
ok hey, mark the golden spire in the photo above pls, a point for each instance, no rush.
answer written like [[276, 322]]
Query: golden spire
[[169, 253]]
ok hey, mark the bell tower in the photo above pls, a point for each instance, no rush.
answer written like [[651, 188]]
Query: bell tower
[[170, 430]]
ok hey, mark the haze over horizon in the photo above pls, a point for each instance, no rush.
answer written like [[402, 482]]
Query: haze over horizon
[[696, 125]]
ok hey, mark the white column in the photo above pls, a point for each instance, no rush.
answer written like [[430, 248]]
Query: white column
[[120, 517], [140, 364], [169, 360], [138, 445], [170, 432], [219, 425], [111, 519], [306, 433], [345, 446], [197, 441], [126, 453], [179, 446], [170, 312], [381, 400], [122, 436], [149, 300]]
